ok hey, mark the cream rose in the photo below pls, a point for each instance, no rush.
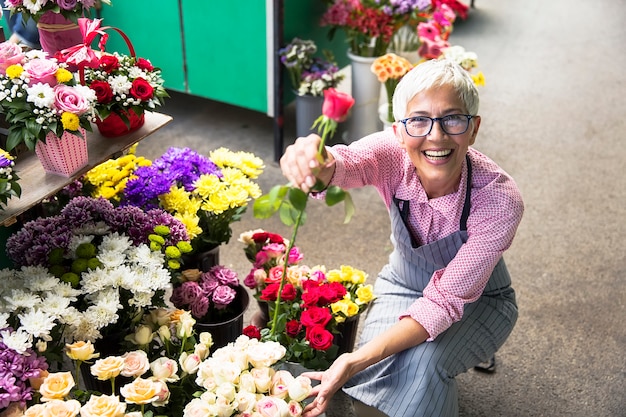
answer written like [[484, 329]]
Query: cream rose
[[81, 351], [136, 363], [164, 333], [266, 354], [143, 335], [262, 378], [60, 408], [164, 369], [206, 339], [246, 382], [224, 407], [189, 363], [160, 316], [103, 406], [56, 386], [226, 390], [36, 410], [163, 396], [295, 408], [199, 408], [299, 388], [141, 391], [272, 407], [184, 327], [280, 384], [245, 402], [107, 368]]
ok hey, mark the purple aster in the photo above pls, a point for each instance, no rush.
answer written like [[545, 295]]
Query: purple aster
[[15, 370], [32, 244], [184, 166]]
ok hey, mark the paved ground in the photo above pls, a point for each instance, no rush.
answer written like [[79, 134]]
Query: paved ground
[[553, 116]]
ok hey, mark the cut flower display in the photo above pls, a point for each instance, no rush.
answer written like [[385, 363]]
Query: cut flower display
[[389, 69], [9, 180], [206, 194], [71, 10], [39, 95], [89, 272], [313, 301], [309, 75]]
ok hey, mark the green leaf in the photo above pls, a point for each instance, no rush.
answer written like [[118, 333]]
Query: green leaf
[[335, 195], [348, 207], [297, 198]]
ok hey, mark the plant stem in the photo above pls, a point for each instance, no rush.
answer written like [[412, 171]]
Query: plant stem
[[284, 274]]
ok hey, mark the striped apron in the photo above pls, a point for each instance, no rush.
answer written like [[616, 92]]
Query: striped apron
[[420, 381]]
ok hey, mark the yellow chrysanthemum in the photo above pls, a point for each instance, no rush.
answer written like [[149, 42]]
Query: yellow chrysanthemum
[[14, 71], [6, 154], [207, 185], [251, 165], [177, 200], [70, 121], [191, 222], [63, 75]]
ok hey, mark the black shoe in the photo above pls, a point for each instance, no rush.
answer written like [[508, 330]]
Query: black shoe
[[488, 366]]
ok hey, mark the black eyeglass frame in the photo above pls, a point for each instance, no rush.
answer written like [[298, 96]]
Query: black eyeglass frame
[[432, 123]]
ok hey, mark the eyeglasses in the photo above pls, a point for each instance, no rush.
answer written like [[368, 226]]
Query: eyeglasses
[[453, 124]]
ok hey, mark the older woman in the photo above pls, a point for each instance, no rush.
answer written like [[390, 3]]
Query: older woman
[[445, 301]]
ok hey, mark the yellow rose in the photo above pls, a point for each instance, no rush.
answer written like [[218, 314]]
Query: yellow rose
[[107, 368], [141, 391], [36, 410], [164, 333], [365, 294], [81, 351], [56, 386], [103, 406], [142, 336]]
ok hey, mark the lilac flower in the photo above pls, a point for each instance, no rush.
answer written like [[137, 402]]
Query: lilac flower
[[223, 296], [15, 370], [224, 276]]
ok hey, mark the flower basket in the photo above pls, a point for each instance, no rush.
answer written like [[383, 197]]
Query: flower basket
[[120, 123], [56, 32], [65, 155]]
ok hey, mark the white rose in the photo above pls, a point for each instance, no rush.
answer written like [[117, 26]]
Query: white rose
[[262, 378], [226, 390], [136, 363], [299, 388], [164, 369], [266, 354], [189, 363]]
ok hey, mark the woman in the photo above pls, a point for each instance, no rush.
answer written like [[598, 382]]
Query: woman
[[444, 301]]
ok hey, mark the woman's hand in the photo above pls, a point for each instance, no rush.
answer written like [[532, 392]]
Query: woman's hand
[[331, 381], [302, 167]]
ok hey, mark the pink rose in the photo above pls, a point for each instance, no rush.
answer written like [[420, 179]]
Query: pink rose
[[41, 70], [336, 104], [223, 296], [10, 54], [70, 99]]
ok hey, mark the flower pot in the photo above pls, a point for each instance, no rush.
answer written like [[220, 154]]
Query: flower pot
[[308, 109], [114, 125], [230, 328], [65, 155], [383, 114], [202, 260], [346, 338], [57, 32], [366, 91]]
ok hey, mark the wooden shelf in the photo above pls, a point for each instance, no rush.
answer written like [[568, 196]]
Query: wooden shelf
[[38, 185]]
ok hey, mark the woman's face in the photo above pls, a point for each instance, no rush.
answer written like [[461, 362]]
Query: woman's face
[[438, 157]]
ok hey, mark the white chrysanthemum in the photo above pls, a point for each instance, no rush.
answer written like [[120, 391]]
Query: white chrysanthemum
[[83, 329], [118, 275], [120, 84], [38, 323], [55, 304], [111, 259], [141, 299], [18, 299], [86, 92], [42, 283], [71, 316], [96, 280], [142, 255], [101, 315], [18, 340], [4, 317], [41, 95], [115, 242], [65, 289], [136, 72]]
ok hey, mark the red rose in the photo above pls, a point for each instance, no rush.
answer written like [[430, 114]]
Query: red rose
[[313, 316], [289, 293], [144, 64], [262, 237], [331, 293], [141, 89], [252, 332], [336, 104], [319, 337], [292, 328], [310, 297], [103, 90], [270, 293], [109, 63]]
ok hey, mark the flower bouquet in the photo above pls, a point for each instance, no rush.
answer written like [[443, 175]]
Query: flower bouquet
[[466, 59], [125, 85], [315, 304], [389, 69], [42, 101], [89, 272], [309, 75], [9, 185], [206, 194]]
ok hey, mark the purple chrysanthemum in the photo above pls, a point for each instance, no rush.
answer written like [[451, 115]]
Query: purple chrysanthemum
[[15, 370]]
